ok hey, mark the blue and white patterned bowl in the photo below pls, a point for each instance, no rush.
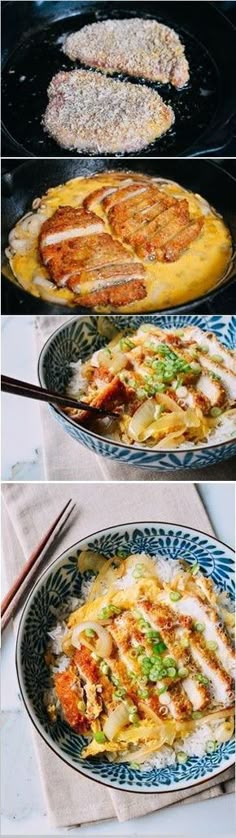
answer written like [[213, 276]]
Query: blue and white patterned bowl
[[79, 338], [62, 580]]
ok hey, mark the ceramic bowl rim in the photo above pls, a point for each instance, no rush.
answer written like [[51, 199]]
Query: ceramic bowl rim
[[104, 439], [20, 632]]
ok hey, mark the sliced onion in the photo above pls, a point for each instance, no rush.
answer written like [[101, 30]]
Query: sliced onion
[[104, 643], [142, 418], [117, 719]]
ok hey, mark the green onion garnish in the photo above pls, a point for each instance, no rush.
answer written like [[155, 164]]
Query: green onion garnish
[[143, 693], [212, 645], [196, 714], [120, 692], [201, 678], [100, 736], [183, 672], [90, 633], [199, 626], [134, 765], [175, 595], [159, 647], [168, 661], [161, 690], [104, 667], [181, 757], [215, 411], [211, 745], [171, 672], [194, 569]]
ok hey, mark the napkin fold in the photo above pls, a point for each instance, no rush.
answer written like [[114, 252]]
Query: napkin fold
[[27, 511], [66, 459]]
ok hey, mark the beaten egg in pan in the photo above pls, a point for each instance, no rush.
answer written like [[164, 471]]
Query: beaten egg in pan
[[120, 241]]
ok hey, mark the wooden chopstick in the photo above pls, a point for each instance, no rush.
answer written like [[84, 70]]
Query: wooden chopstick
[[21, 583], [32, 391]]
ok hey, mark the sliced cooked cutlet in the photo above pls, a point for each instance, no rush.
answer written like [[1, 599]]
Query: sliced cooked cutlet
[[157, 226], [119, 295], [112, 395], [208, 342], [89, 112], [135, 46], [79, 254]]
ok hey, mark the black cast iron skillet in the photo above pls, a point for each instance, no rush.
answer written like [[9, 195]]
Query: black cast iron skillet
[[32, 53], [34, 177]]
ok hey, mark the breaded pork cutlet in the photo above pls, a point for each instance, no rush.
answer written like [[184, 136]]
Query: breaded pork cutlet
[[89, 112], [80, 255], [158, 226], [143, 48]]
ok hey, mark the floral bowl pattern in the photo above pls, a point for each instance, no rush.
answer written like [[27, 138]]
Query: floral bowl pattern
[[62, 580], [79, 338]]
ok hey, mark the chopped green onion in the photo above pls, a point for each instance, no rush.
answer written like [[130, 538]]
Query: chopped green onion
[[143, 693], [199, 626], [163, 673], [183, 672], [175, 595], [211, 745], [171, 672], [204, 349], [126, 343], [194, 569], [115, 680], [90, 633], [168, 661], [217, 358], [181, 757], [154, 674], [139, 650], [104, 667], [184, 642], [215, 411], [201, 678], [120, 692], [161, 690], [134, 765], [100, 736], [108, 612], [121, 552], [196, 714], [196, 368], [151, 634], [138, 571], [211, 644], [214, 376], [134, 718], [159, 647], [156, 660]]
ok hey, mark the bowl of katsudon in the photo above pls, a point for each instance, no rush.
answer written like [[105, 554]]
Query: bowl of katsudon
[[120, 242], [169, 383], [125, 657]]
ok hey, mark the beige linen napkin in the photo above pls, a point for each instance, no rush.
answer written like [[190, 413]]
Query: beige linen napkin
[[27, 512], [66, 459]]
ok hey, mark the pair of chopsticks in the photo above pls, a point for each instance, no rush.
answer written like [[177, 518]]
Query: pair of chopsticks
[[32, 391], [22, 582]]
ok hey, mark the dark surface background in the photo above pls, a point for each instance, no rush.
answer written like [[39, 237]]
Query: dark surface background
[[223, 303], [228, 9]]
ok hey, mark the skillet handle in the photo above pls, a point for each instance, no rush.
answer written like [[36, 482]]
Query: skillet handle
[[219, 141]]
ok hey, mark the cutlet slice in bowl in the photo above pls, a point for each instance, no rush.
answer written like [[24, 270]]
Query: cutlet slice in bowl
[[89, 112], [143, 48]]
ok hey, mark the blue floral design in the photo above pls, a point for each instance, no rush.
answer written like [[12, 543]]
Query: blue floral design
[[63, 580]]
